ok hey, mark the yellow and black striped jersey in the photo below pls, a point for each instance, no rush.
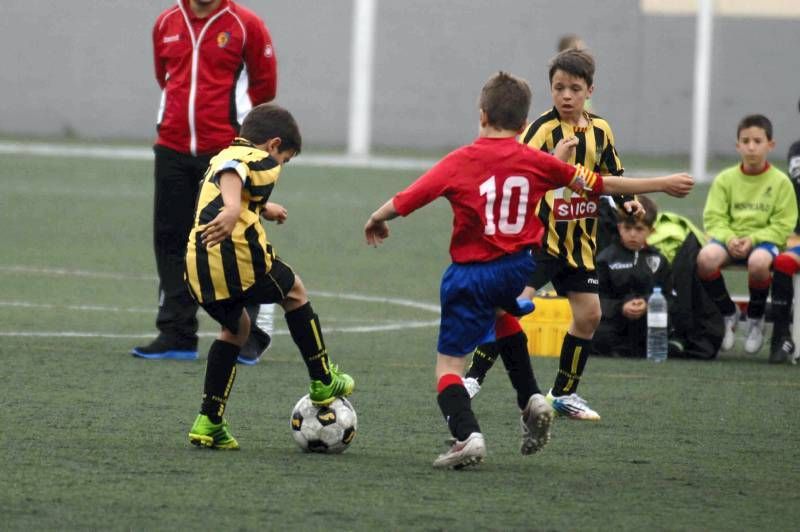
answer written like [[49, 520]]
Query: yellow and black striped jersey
[[571, 223], [232, 266]]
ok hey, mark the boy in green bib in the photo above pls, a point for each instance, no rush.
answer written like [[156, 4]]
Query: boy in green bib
[[750, 211]]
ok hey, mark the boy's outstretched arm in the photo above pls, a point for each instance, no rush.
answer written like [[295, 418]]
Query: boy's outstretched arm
[[678, 185], [376, 229]]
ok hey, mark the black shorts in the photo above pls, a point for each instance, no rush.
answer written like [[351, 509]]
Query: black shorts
[[272, 288], [565, 278]]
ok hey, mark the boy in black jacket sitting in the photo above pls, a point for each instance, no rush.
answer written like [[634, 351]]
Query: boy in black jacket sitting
[[628, 270]]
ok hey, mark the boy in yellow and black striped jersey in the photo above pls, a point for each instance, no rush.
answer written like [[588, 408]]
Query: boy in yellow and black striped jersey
[[567, 257], [231, 264]]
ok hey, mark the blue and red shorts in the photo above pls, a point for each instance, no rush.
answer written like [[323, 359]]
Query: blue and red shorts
[[795, 250], [769, 247], [471, 293]]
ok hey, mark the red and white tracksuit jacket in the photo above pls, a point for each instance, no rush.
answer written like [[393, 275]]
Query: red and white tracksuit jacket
[[212, 71]]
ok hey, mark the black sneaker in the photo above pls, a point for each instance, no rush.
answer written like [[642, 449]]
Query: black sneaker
[[675, 348], [165, 348], [255, 346], [781, 349]]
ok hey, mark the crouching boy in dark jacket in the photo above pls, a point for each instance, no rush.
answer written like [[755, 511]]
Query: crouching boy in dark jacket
[[628, 270]]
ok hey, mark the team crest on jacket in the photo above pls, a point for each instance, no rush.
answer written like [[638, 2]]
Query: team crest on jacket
[[222, 38], [653, 262]]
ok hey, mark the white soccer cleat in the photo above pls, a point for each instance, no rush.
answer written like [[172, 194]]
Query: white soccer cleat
[[472, 385], [461, 454], [572, 406], [730, 323], [755, 335], [535, 422]]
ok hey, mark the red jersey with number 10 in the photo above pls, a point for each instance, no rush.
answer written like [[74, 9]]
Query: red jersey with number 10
[[493, 186]]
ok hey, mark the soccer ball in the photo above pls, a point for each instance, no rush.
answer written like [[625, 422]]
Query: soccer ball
[[323, 429]]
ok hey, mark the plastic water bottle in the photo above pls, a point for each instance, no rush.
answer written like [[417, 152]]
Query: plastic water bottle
[[657, 326]]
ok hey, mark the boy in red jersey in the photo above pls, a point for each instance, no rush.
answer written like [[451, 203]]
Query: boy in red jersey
[[492, 186], [786, 266]]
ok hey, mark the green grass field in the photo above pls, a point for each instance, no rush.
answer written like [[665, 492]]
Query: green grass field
[[94, 439]]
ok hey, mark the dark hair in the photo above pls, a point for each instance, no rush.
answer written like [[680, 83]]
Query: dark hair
[[570, 40], [755, 121], [578, 63], [506, 100], [650, 213], [268, 121]]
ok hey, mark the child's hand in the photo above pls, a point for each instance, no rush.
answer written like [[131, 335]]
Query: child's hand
[[746, 245], [733, 247], [740, 247], [220, 227], [678, 185], [634, 309], [376, 232], [565, 148], [634, 208], [274, 212]]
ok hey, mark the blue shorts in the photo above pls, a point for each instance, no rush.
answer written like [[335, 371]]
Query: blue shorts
[[773, 250], [471, 293], [795, 250]]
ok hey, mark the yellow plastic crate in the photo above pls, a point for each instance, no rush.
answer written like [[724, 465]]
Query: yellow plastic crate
[[547, 325]]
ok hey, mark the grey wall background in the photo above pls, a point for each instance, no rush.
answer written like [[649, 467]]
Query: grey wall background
[[83, 68]]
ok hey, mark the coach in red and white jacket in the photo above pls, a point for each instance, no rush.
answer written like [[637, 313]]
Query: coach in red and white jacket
[[212, 71], [214, 61]]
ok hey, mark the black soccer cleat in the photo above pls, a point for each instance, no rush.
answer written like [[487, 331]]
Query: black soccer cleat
[[256, 345], [781, 349], [163, 348]]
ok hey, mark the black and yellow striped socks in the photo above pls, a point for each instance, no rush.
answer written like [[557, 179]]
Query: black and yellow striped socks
[[220, 374], [306, 332], [574, 354]]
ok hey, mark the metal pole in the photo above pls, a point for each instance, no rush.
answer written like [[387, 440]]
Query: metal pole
[[702, 85], [361, 56]]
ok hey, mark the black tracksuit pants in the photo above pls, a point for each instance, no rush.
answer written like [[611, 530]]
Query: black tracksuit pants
[[177, 182], [621, 337]]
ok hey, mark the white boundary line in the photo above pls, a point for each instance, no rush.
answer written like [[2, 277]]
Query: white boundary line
[[148, 310], [66, 272], [399, 326], [390, 326], [130, 153], [36, 270]]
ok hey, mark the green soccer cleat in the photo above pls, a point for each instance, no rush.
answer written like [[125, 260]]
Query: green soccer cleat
[[341, 385], [204, 433]]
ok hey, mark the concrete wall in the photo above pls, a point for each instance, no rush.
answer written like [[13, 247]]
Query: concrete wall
[[84, 67]]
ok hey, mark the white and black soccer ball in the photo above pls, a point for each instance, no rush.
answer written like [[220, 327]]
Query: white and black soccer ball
[[323, 429]]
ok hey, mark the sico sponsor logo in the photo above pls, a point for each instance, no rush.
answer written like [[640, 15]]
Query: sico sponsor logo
[[574, 209]]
